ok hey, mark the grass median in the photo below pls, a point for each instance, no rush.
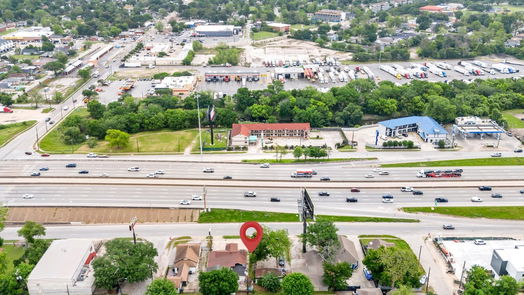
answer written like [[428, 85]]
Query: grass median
[[230, 215], [512, 161], [497, 212], [294, 161], [9, 131]]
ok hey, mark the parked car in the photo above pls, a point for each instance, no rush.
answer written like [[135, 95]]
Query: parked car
[[273, 199], [281, 262], [418, 193], [479, 242], [208, 170], [250, 194], [325, 178], [351, 200], [185, 202], [355, 190], [71, 165], [441, 200], [323, 194], [367, 274], [484, 188], [496, 196], [476, 199]]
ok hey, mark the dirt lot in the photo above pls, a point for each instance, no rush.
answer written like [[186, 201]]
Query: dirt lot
[[99, 215], [20, 115], [59, 85], [289, 49]]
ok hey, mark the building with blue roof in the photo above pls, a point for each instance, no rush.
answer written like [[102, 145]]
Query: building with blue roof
[[428, 129]]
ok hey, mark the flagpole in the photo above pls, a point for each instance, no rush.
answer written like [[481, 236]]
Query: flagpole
[[199, 127]]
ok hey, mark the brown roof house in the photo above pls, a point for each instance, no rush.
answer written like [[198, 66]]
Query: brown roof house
[[347, 252], [186, 261], [231, 257], [377, 243]]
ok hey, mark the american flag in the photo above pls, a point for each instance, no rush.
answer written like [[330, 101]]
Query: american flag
[[211, 113]]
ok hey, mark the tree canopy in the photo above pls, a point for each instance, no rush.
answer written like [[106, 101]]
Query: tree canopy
[[124, 262], [218, 282], [30, 230], [161, 287], [323, 236], [297, 284]]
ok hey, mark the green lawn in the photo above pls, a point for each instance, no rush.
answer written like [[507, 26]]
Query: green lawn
[[494, 212], [263, 35], [9, 131], [220, 137], [13, 253], [513, 122], [347, 148], [292, 161], [22, 57], [514, 161], [512, 8], [163, 141], [47, 110], [52, 142], [301, 27], [231, 215], [7, 31]]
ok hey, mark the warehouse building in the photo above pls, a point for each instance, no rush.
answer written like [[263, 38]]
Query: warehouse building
[[64, 269], [509, 262], [29, 34], [279, 27], [181, 86], [426, 127], [245, 134], [328, 15], [217, 30], [475, 126]]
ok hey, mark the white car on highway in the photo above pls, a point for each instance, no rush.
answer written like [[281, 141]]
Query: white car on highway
[[369, 176], [152, 175], [208, 170], [160, 172], [196, 197], [91, 155], [265, 165], [185, 202], [27, 196], [104, 175], [406, 189], [476, 199], [133, 169], [496, 155]]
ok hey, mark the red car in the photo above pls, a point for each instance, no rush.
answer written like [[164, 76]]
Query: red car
[[44, 155], [355, 190]]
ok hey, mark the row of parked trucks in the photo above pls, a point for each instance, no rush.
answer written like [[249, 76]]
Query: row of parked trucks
[[416, 70], [480, 68], [336, 74]]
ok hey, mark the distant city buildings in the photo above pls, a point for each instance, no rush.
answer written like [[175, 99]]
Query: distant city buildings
[[328, 15]]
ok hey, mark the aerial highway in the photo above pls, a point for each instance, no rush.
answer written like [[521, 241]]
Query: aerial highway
[[237, 171], [369, 201]]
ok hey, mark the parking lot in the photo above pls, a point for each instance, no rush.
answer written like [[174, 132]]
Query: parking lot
[[466, 250]]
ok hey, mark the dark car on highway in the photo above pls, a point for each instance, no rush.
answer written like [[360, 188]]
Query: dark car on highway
[[418, 192], [355, 190], [275, 199], [227, 177], [35, 174], [351, 200], [496, 196], [325, 178], [44, 155], [484, 188], [44, 169], [83, 172], [28, 153], [71, 165], [323, 194], [518, 151], [441, 200]]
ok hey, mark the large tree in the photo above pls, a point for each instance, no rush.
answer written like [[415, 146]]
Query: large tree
[[323, 236], [297, 284], [393, 266], [274, 243], [30, 230], [218, 282], [336, 275], [124, 262], [117, 138]]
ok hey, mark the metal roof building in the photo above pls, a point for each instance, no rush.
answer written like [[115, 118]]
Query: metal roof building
[[65, 268], [216, 30], [426, 127], [467, 126]]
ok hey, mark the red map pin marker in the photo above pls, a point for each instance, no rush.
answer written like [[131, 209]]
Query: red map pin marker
[[251, 243]]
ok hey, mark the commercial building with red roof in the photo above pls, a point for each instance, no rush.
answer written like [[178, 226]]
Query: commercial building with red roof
[[431, 8], [244, 134], [231, 257]]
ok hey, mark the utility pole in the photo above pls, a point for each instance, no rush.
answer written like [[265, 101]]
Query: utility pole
[[419, 252], [462, 274], [205, 200], [132, 228], [427, 280], [199, 126]]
